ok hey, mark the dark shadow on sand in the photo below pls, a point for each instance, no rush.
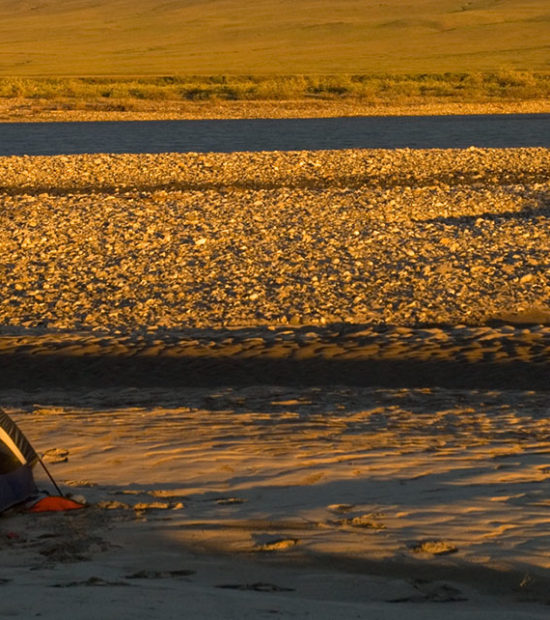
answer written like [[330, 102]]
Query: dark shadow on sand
[[27, 371]]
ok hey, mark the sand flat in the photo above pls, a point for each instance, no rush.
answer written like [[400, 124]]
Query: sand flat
[[303, 384], [410, 495]]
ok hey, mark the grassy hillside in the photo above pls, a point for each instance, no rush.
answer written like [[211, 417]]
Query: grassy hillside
[[176, 37]]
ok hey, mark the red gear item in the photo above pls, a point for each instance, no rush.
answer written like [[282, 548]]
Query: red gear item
[[54, 503]]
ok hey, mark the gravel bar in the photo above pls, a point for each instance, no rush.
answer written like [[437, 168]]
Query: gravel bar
[[126, 243]]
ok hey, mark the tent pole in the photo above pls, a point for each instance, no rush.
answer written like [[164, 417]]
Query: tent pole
[[50, 476]]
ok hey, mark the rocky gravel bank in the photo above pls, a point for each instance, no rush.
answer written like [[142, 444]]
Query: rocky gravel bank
[[124, 243], [34, 110]]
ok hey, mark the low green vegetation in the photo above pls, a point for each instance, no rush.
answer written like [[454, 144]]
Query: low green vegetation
[[375, 89]]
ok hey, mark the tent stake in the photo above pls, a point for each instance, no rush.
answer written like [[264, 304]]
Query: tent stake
[[50, 476]]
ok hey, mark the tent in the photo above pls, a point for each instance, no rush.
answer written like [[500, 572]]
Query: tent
[[17, 458]]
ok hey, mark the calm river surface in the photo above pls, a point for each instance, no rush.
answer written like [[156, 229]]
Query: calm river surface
[[498, 130]]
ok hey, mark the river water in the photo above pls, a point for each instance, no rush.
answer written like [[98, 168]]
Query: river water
[[497, 130]]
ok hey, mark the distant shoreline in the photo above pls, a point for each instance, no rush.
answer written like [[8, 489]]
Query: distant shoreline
[[26, 110]]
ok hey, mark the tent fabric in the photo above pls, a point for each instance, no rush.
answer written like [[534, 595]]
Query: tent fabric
[[16, 487], [17, 457], [54, 503], [15, 441]]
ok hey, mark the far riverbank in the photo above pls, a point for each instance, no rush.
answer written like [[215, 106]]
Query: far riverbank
[[20, 109]]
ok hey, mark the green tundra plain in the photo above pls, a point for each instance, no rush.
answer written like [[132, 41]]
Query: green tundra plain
[[145, 56], [210, 37]]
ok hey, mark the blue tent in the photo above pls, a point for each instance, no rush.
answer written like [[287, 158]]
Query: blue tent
[[17, 458]]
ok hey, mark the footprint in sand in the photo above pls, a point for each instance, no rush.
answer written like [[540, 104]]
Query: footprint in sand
[[160, 574], [341, 508], [432, 592], [92, 581], [167, 493], [259, 586], [140, 506], [77, 550], [367, 521], [143, 506], [435, 547], [228, 501], [80, 483], [312, 478], [113, 505], [274, 542], [55, 455]]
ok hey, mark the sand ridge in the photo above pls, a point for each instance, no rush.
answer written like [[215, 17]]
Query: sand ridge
[[451, 356]]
